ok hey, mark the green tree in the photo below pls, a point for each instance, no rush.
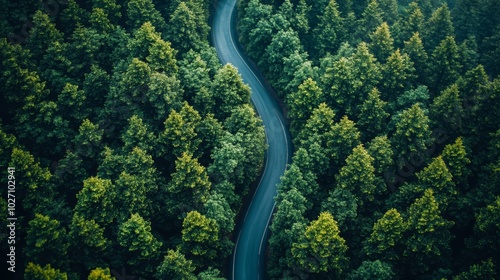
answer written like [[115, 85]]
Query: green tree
[[365, 75], [99, 21], [486, 228], [194, 74], [229, 91], [490, 54], [294, 179], [227, 161], [380, 149], [386, 239], [73, 105], [137, 134], [322, 250], [88, 143], [89, 239], [46, 237], [163, 95], [72, 16], [437, 176], [186, 31], [457, 160], [343, 138], [189, 186], [161, 57], [466, 17], [36, 186], [381, 43], [100, 274], [438, 27], [372, 270], [371, 18], [319, 123], [175, 266], [218, 209], [412, 135], [398, 75], [142, 40], [447, 110], [428, 243], [390, 8], [210, 132], [41, 122], [302, 102], [343, 204], [43, 34], [211, 274], [126, 95], [84, 50], [200, 238], [469, 55], [110, 7], [36, 272], [411, 22], [180, 134], [446, 67], [248, 132], [484, 270], [251, 15], [141, 11], [96, 201], [357, 176], [474, 89], [289, 216], [96, 85], [296, 70], [261, 26], [372, 115], [283, 44], [135, 235], [330, 31]]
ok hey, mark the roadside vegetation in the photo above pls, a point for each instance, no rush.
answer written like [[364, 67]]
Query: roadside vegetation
[[394, 109], [132, 146]]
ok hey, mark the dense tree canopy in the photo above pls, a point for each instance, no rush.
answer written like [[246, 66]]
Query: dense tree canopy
[[391, 110], [133, 141], [134, 148]]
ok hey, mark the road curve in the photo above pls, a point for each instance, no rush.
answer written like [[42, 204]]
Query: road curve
[[249, 253]]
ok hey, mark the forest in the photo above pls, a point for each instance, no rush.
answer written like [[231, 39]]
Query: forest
[[131, 146], [132, 150], [394, 110]]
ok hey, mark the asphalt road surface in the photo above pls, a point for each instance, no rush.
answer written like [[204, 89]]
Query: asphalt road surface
[[249, 252]]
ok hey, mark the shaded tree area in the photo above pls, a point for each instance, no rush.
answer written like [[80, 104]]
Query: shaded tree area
[[132, 146], [394, 114]]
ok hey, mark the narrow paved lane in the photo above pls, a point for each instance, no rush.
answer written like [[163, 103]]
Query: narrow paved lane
[[248, 258]]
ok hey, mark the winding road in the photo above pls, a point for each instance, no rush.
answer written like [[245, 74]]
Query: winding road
[[249, 252]]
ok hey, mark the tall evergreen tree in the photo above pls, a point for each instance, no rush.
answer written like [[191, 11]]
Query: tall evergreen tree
[[412, 135], [322, 251], [141, 11], [381, 43], [414, 48], [186, 31], [330, 31], [438, 27], [372, 115], [428, 243], [446, 67]]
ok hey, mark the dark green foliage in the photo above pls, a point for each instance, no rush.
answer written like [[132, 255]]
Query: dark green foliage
[[372, 270], [134, 147], [404, 80], [321, 250], [185, 31]]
